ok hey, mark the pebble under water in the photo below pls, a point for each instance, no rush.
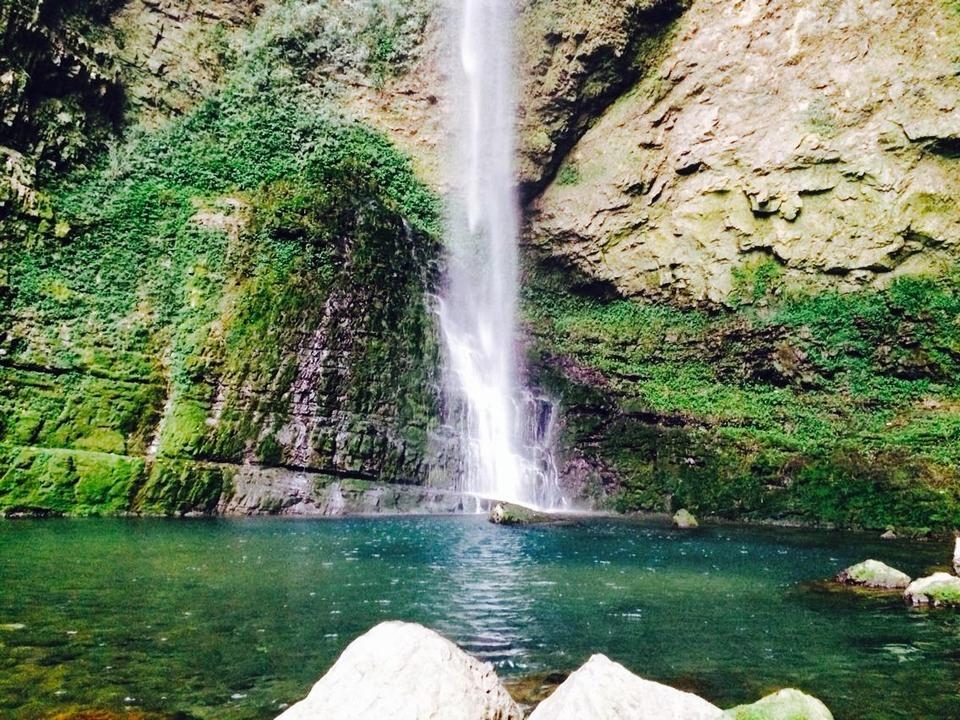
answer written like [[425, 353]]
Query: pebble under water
[[231, 618]]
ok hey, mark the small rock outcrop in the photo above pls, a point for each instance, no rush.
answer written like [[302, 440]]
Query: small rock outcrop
[[405, 671], [788, 704], [509, 514], [874, 574], [937, 590], [956, 556], [684, 519], [604, 690]]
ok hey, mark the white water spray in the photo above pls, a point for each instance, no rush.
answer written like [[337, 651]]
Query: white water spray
[[504, 431]]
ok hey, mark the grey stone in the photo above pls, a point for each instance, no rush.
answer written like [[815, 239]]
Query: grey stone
[[684, 519], [604, 690], [874, 574], [788, 704], [939, 589], [404, 671]]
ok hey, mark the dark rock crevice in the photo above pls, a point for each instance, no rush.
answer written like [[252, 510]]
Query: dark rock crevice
[[579, 69]]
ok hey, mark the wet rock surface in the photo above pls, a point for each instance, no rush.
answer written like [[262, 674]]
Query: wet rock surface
[[874, 574]]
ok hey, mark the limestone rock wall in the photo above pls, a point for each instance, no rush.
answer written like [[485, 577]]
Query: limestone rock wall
[[821, 136]]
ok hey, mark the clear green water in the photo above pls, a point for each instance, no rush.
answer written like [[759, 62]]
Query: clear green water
[[231, 618]]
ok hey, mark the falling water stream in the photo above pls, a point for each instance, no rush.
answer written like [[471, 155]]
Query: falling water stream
[[504, 429]]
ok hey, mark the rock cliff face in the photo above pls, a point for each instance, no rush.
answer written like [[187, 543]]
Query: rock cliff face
[[820, 136], [741, 237], [241, 294], [771, 192]]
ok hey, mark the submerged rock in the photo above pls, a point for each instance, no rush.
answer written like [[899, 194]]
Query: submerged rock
[[604, 690], [788, 704], [874, 574], [407, 672], [509, 514], [938, 589], [684, 519]]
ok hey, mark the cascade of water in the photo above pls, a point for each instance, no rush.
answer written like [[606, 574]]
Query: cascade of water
[[504, 430]]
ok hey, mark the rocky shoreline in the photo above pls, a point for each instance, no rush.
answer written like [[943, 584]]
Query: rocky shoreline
[[404, 670]]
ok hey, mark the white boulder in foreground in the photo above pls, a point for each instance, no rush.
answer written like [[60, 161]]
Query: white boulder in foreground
[[786, 704], [403, 671], [874, 574], [938, 589], [604, 690]]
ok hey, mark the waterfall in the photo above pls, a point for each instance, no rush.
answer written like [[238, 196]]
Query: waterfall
[[504, 430]]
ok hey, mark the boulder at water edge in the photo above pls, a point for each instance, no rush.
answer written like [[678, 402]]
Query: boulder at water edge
[[403, 671], [874, 574], [788, 704], [604, 690], [684, 519], [956, 556], [938, 589], [504, 513]]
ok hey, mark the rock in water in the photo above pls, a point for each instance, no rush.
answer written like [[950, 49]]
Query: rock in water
[[788, 704], [604, 690], [956, 556], [938, 589], [684, 519], [403, 671], [510, 514], [874, 574]]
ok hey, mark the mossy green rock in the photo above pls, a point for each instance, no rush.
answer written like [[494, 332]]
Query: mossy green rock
[[684, 519], [874, 574], [938, 590], [787, 704], [509, 514]]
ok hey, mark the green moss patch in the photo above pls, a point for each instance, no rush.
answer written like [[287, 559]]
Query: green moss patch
[[49, 481], [834, 408], [197, 271]]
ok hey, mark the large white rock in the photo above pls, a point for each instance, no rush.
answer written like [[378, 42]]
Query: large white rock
[[938, 589], [956, 555], [403, 671], [874, 574], [604, 690]]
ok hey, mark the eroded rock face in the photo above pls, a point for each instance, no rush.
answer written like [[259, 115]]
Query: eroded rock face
[[406, 672], [258, 490], [819, 136], [874, 574], [788, 704], [604, 690]]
